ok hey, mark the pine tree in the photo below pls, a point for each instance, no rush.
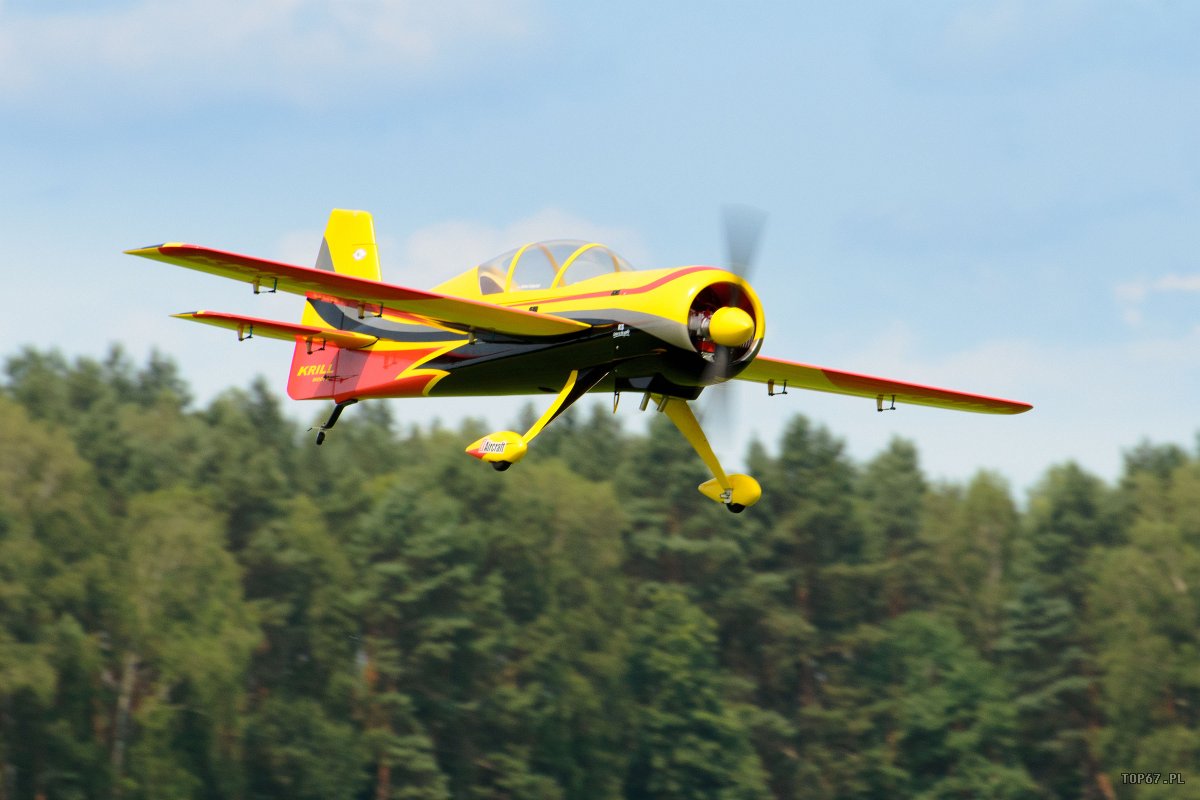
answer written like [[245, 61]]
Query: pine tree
[[892, 491], [953, 728], [1045, 646], [1144, 610], [687, 742], [972, 536], [56, 559], [180, 651]]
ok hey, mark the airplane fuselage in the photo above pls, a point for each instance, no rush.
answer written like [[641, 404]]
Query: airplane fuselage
[[639, 335]]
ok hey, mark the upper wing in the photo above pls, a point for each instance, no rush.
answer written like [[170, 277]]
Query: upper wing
[[884, 390], [248, 327], [447, 310]]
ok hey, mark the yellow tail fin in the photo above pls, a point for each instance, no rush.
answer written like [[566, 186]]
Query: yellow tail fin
[[348, 248]]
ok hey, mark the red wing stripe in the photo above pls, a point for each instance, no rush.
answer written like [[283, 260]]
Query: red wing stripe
[[822, 379]]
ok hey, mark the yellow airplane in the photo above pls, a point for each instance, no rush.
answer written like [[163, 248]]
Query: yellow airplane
[[561, 317]]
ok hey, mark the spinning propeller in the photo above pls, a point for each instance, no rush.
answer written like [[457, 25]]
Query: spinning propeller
[[723, 319], [731, 327]]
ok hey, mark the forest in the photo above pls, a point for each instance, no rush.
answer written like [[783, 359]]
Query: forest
[[196, 602]]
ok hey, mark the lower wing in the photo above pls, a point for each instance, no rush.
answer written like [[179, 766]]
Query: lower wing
[[789, 374], [249, 327]]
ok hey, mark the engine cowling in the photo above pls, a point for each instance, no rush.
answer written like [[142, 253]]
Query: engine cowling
[[724, 315]]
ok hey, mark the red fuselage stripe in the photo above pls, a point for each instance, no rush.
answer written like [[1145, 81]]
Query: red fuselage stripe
[[636, 290]]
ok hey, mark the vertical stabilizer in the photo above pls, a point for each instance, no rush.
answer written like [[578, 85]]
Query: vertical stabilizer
[[348, 247]]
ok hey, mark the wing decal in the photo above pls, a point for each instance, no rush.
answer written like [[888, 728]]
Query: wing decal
[[883, 390], [248, 327], [271, 276]]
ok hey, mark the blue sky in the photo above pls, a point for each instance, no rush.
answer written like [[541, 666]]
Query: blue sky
[[997, 196]]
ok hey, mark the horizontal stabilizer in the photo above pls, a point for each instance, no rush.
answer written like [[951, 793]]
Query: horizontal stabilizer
[[248, 327], [454, 312], [789, 374]]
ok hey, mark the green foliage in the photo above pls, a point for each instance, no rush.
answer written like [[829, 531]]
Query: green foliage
[[185, 641], [972, 537], [199, 603], [892, 493], [955, 727], [687, 741], [299, 752]]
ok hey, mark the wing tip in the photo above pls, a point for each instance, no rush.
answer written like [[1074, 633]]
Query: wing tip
[[152, 250], [1002, 405]]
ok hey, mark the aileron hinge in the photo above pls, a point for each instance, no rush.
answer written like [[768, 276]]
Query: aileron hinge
[[258, 288], [362, 311]]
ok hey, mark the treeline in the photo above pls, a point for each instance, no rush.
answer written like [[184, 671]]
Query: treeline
[[198, 603]]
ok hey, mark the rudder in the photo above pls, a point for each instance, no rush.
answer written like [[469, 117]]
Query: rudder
[[349, 248]]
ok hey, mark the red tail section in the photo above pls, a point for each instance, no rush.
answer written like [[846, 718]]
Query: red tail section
[[348, 247], [334, 373], [314, 375]]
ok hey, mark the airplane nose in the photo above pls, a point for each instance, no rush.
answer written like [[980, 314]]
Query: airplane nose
[[730, 327]]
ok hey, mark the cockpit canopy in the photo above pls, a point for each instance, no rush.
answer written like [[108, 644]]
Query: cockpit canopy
[[545, 265]]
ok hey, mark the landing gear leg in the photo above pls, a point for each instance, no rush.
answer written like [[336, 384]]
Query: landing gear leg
[[506, 448], [737, 492], [333, 418]]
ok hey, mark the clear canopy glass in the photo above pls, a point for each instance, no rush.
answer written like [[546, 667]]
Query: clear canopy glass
[[545, 265]]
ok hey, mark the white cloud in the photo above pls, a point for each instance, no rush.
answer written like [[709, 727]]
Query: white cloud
[[438, 252], [299, 247], [988, 40], [298, 49], [1178, 283], [1132, 296], [989, 29]]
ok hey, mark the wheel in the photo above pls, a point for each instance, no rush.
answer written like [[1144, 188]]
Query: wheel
[[320, 437], [736, 508], [500, 466]]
